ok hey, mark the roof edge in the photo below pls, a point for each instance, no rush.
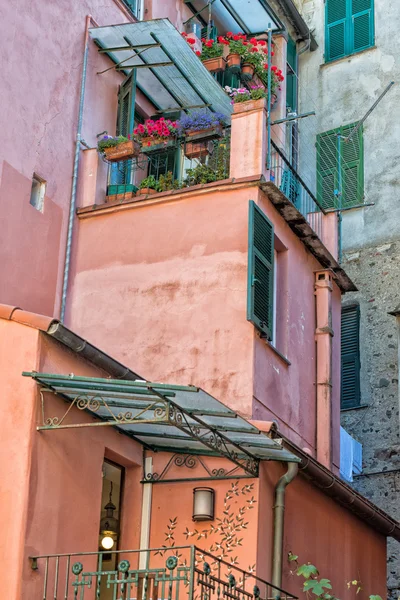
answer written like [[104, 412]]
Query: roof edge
[[342, 493]]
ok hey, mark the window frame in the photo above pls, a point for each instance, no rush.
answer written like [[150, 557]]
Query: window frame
[[40, 194]]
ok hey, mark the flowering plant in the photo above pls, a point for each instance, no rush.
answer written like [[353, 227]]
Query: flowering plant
[[110, 141], [198, 120], [162, 128], [210, 49], [237, 42], [256, 92]]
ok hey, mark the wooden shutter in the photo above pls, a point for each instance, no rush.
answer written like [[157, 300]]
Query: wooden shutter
[[327, 168], [335, 29], [350, 350], [291, 79], [121, 171], [352, 167], [260, 271], [362, 29]]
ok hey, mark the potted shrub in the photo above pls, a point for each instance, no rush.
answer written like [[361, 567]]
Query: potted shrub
[[244, 100], [155, 133], [211, 55], [149, 185], [167, 182], [116, 148], [199, 127]]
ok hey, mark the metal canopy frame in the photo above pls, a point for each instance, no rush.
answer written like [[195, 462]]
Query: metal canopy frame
[[167, 68], [169, 418], [229, 13]]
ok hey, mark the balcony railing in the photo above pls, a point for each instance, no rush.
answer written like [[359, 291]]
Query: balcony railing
[[156, 574]]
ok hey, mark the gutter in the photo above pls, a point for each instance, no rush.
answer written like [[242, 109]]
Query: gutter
[[299, 24], [342, 493]]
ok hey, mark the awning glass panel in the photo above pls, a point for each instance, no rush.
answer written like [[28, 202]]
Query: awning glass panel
[[179, 81], [247, 16], [162, 417]]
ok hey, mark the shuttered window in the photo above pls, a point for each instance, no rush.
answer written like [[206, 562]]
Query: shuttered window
[[349, 27], [120, 173], [350, 350], [340, 168], [260, 271]]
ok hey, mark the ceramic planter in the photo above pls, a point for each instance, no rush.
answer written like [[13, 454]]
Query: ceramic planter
[[123, 151], [248, 70], [233, 61], [242, 107], [215, 64]]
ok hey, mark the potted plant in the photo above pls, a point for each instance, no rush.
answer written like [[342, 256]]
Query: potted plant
[[116, 148], [154, 133], [244, 100], [167, 182], [237, 48], [252, 60], [149, 185], [276, 79], [199, 127], [211, 55]]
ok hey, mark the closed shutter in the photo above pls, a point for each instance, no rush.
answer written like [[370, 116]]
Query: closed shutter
[[352, 161], [362, 14], [335, 29], [327, 168], [350, 350], [260, 271], [291, 78], [121, 171]]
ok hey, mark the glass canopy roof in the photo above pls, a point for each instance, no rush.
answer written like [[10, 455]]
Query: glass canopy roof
[[247, 16], [161, 417], [168, 71]]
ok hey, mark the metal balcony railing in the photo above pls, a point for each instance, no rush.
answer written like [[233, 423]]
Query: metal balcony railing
[[157, 574], [172, 166]]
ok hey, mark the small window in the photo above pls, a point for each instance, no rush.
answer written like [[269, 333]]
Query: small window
[[135, 7], [340, 167], [349, 27], [350, 351], [260, 297], [38, 191]]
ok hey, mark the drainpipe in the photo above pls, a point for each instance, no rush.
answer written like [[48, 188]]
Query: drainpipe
[[323, 338], [72, 204], [279, 518]]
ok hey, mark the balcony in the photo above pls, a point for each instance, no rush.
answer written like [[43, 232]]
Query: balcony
[[154, 574]]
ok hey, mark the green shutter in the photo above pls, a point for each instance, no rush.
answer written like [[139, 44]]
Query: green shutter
[[121, 171], [291, 78], [352, 161], [133, 6], [213, 33], [327, 168], [260, 271], [350, 350], [362, 14], [335, 29]]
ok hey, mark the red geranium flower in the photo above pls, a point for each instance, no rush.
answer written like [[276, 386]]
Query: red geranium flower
[[253, 41], [265, 50], [198, 52], [236, 38], [272, 53], [274, 68], [262, 42], [254, 49], [184, 34], [190, 40], [229, 34], [209, 43]]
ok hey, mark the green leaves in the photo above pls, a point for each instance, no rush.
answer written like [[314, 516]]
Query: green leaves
[[375, 598], [307, 571], [317, 587]]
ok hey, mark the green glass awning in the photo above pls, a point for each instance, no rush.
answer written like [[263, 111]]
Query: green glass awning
[[168, 71], [247, 16], [161, 417]]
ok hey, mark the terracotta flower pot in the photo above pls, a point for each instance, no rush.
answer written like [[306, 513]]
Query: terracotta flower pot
[[123, 151], [211, 133], [149, 143], [147, 190], [248, 70], [241, 107], [196, 149], [233, 61], [215, 64]]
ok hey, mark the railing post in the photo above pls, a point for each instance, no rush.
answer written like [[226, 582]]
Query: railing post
[[269, 97]]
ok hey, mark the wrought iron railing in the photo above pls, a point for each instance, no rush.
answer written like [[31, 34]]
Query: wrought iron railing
[[171, 573], [180, 164], [291, 184]]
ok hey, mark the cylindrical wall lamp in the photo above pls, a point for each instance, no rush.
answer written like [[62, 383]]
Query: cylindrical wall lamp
[[203, 504]]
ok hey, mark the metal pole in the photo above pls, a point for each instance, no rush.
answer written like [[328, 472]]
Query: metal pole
[[75, 175], [375, 104], [340, 196], [269, 97]]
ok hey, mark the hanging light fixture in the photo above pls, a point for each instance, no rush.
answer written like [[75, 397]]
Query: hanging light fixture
[[203, 504], [109, 525]]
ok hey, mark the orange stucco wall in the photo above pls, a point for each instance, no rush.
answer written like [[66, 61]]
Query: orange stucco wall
[[177, 312]]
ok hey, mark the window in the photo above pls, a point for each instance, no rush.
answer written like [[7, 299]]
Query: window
[[349, 27], [350, 350], [135, 7], [260, 298], [38, 191], [340, 167]]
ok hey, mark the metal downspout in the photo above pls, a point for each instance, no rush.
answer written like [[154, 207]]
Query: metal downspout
[[75, 175], [279, 519]]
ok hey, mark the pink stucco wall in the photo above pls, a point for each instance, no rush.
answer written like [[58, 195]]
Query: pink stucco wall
[[39, 97], [177, 269]]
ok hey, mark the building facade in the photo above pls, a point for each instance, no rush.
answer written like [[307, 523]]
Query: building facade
[[210, 261], [344, 77]]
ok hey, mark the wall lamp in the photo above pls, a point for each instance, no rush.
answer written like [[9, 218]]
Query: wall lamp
[[203, 504]]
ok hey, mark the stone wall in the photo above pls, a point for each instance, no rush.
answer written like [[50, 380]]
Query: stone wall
[[376, 272]]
